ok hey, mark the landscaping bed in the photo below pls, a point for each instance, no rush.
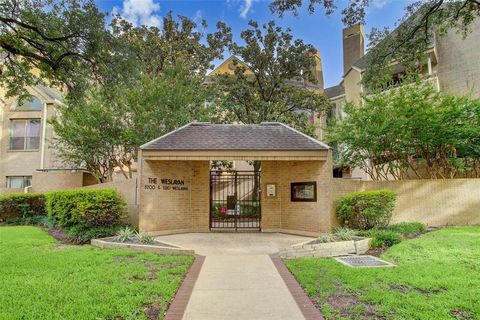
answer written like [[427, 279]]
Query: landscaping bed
[[320, 249], [43, 279], [136, 245], [436, 277]]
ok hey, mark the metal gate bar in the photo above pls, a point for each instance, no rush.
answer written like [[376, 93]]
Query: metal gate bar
[[235, 200]]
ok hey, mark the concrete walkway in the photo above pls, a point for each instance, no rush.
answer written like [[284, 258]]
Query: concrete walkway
[[238, 279]]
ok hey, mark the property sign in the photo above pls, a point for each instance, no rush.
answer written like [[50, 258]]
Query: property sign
[[155, 183]]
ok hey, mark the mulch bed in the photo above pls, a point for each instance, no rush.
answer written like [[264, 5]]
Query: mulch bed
[[58, 234], [135, 241]]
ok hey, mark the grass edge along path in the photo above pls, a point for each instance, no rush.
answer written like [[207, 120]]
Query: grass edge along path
[[437, 277], [43, 279]]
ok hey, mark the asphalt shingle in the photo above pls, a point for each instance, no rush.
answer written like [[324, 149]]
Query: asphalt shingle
[[271, 136]]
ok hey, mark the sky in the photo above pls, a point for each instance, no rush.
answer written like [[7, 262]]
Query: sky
[[325, 33]]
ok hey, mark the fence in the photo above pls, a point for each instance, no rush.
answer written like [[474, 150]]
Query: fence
[[433, 202]]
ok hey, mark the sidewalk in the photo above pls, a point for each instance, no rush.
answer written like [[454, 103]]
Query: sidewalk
[[238, 279], [241, 287]]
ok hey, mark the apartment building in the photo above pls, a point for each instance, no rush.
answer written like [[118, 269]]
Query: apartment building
[[452, 66], [24, 136]]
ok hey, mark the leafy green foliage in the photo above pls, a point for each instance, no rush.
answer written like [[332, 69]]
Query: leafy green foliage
[[80, 234], [410, 132], [344, 233], [125, 234], [179, 41], [86, 208], [269, 84], [393, 234], [406, 45], [65, 41], [366, 209], [144, 238], [105, 131], [408, 229], [67, 282], [339, 234], [42, 221], [18, 205], [423, 23], [436, 277], [327, 237], [382, 238]]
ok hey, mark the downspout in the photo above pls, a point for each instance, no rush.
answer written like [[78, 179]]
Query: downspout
[[44, 138]]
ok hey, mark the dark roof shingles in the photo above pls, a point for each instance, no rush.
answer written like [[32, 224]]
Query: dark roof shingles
[[335, 91], [205, 136]]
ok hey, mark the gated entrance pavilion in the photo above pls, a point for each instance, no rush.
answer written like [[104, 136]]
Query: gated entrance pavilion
[[291, 193]]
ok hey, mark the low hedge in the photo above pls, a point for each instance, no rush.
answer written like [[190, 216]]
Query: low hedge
[[382, 238], [86, 208], [366, 209], [408, 229], [21, 205], [393, 234]]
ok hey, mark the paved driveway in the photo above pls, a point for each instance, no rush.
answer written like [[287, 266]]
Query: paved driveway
[[238, 279]]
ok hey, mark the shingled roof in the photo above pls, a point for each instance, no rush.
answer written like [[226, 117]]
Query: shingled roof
[[335, 91], [269, 136]]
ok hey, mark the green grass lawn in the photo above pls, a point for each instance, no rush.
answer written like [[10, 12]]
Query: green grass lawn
[[43, 279], [437, 277]]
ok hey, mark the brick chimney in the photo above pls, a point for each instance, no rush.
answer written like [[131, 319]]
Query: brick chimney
[[318, 71], [353, 45]]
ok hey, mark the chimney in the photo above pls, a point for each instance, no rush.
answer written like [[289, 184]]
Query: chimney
[[353, 45], [317, 71]]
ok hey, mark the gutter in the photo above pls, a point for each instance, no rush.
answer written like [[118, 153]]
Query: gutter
[[44, 138]]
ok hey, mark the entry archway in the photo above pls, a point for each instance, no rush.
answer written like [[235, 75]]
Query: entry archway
[[175, 177]]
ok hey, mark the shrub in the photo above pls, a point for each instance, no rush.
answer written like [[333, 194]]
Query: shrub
[[43, 221], [125, 234], [366, 209], [343, 234], [80, 234], [21, 205], [86, 208], [328, 237], [382, 238], [408, 229], [145, 238]]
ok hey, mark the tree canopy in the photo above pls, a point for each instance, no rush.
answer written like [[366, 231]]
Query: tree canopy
[[271, 82], [412, 35], [411, 132], [64, 43], [162, 90]]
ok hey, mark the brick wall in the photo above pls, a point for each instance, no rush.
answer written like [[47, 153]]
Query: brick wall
[[433, 202], [187, 210], [56, 180], [170, 207], [280, 213]]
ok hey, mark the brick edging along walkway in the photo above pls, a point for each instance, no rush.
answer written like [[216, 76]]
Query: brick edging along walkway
[[309, 311], [179, 304]]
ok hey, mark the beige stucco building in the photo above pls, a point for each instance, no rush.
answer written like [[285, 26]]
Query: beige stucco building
[[452, 65], [24, 136]]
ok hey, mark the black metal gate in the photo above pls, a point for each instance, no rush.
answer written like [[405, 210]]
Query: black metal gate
[[235, 200]]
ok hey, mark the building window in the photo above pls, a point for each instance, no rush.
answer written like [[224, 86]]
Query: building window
[[19, 182], [29, 103], [24, 134]]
